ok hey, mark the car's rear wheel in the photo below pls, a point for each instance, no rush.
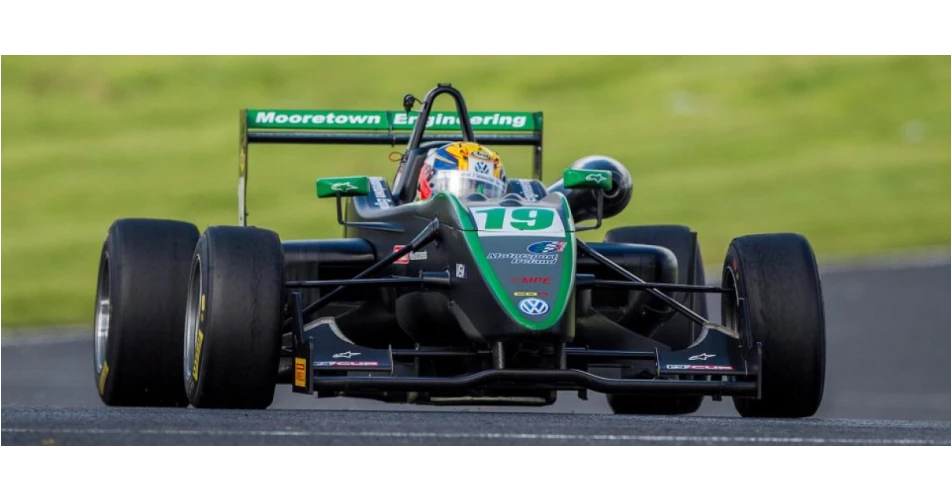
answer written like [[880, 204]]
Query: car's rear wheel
[[233, 319], [140, 303], [678, 332], [777, 276]]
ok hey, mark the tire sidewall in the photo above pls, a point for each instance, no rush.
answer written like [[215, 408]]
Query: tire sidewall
[[146, 260], [236, 357], [104, 383], [194, 383], [111, 260], [734, 271]]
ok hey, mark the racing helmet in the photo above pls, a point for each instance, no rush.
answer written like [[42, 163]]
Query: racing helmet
[[462, 169]]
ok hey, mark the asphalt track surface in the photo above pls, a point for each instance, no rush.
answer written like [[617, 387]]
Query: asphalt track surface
[[888, 383]]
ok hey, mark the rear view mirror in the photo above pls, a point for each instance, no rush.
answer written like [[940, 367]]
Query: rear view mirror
[[596, 179], [599, 180], [343, 186], [347, 187]]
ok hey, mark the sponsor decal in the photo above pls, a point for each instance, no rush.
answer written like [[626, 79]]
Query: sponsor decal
[[300, 372], [443, 120], [596, 178], [316, 118], [701, 357], [199, 339], [546, 247], [481, 155], [531, 280], [345, 364], [588, 179], [346, 355], [342, 187], [103, 376], [527, 191], [461, 271], [376, 120], [482, 167], [699, 367], [524, 258], [531, 294], [410, 256], [533, 306], [380, 193]]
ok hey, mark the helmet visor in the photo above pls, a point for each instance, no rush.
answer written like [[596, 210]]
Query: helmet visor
[[462, 183]]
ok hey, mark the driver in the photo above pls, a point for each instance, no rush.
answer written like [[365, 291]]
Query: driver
[[462, 169]]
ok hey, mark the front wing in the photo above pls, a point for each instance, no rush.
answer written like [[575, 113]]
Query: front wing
[[718, 364]]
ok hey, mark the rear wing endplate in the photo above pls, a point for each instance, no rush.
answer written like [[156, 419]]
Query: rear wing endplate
[[276, 126]]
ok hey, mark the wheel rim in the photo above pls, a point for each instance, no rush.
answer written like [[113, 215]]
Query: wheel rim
[[192, 316], [103, 312]]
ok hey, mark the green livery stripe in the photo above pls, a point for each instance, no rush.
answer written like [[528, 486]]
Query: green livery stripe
[[487, 121], [465, 221], [570, 222]]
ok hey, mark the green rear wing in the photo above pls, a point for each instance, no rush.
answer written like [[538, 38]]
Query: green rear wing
[[281, 126]]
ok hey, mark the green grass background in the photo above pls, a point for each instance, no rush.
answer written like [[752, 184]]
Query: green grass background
[[852, 151]]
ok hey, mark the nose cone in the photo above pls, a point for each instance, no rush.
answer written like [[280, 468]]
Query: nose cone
[[525, 256], [531, 278]]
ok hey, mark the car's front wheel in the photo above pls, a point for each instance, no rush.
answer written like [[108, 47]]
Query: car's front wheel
[[140, 303], [233, 318], [776, 274]]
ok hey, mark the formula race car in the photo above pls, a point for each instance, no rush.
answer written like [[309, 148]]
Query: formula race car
[[487, 300]]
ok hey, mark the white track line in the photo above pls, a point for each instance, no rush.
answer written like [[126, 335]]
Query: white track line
[[489, 436], [27, 339]]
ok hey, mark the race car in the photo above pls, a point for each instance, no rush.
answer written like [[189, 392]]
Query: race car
[[483, 299]]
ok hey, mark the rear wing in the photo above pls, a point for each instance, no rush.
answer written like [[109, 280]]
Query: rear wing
[[279, 126]]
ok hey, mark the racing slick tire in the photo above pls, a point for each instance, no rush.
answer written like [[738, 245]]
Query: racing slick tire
[[140, 304], [233, 318], [777, 275], [678, 332]]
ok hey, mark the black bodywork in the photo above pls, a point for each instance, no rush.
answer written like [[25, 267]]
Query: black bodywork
[[417, 303]]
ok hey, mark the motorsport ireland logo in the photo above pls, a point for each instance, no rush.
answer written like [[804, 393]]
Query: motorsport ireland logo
[[524, 258]]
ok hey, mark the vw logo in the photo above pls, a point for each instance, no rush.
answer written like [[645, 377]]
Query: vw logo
[[533, 306]]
